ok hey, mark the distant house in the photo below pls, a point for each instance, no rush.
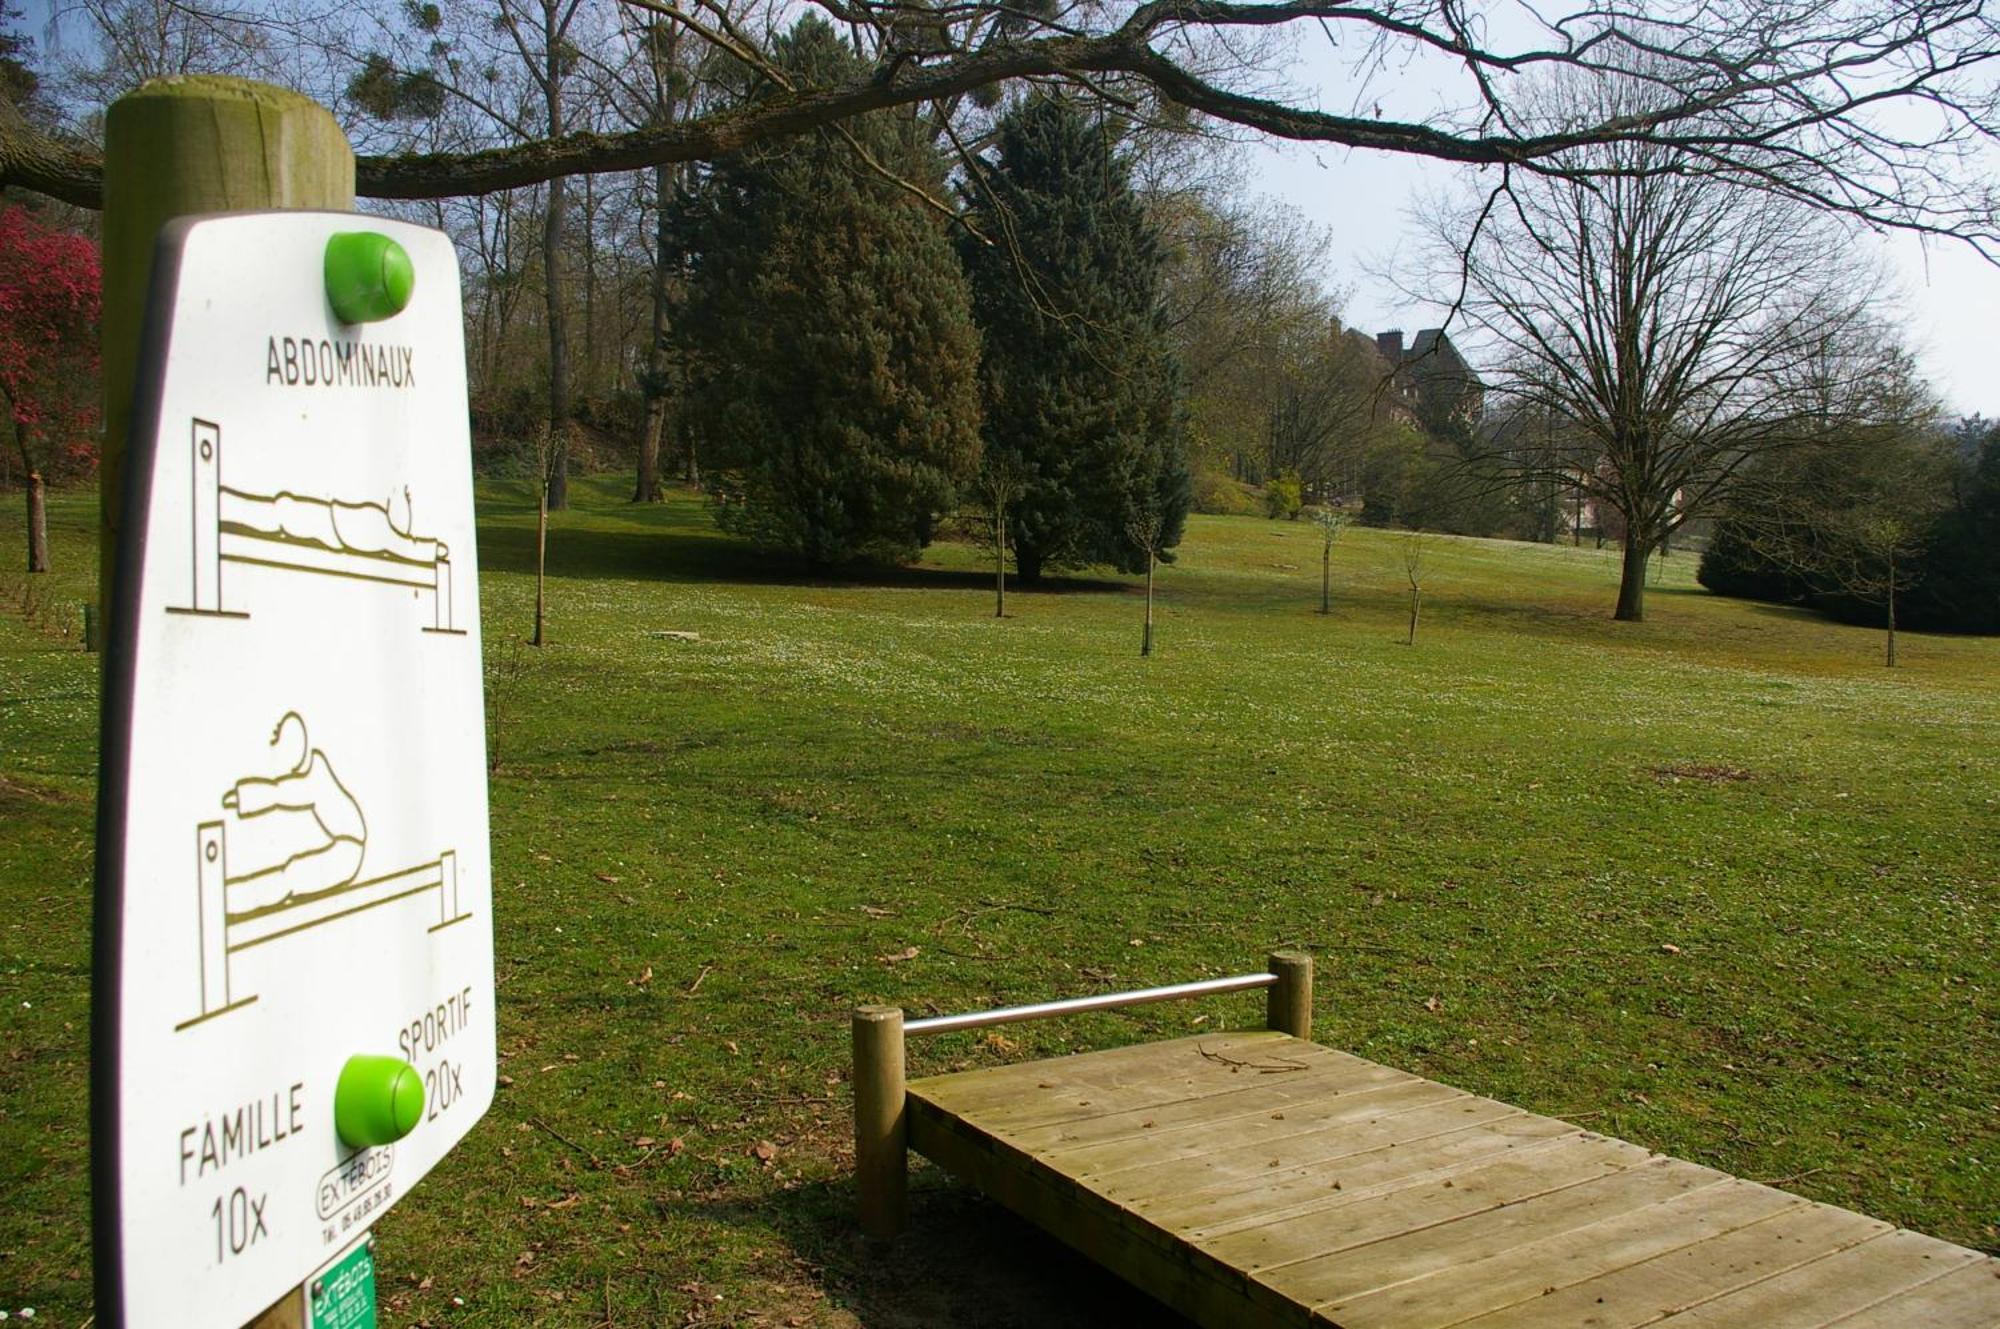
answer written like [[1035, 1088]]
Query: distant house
[[1432, 378]]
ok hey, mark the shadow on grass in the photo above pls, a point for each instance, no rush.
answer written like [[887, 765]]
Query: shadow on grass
[[678, 543], [962, 1261]]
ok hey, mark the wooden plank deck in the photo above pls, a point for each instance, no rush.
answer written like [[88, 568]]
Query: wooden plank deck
[[1255, 1179]]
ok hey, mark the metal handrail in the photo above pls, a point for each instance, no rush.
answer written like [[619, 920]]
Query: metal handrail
[[945, 1024]]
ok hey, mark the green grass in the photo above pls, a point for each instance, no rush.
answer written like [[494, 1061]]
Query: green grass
[[1717, 883]]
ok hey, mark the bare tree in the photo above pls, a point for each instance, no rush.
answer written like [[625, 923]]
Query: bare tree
[[1413, 572], [1853, 518], [1665, 314], [548, 451], [1145, 529], [1801, 100], [1331, 522], [1001, 476]]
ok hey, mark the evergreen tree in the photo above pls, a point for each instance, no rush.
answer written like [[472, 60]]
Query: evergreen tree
[[1960, 591], [1081, 388], [833, 359]]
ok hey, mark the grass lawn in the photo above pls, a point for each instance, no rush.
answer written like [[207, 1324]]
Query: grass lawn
[[1718, 883]]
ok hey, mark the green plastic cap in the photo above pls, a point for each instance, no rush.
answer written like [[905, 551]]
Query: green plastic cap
[[369, 277], [378, 1100]]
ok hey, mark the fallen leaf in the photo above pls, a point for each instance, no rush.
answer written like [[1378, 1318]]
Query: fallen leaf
[[764, 1151], [567, 1202], [1433, 1005], [642, 979], [873, 912], [898, 957], [1670, 948], [606, 878]]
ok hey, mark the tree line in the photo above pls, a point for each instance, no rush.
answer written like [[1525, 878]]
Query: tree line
[[582, 152]]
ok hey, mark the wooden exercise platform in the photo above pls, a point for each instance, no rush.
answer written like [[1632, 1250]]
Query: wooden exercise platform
[[1256, 1178]]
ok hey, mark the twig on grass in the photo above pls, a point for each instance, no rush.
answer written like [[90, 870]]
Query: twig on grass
[[695, 986], [539, 1124], [964, 916], [1796, 1176], [1277, 1067], [963, 955]]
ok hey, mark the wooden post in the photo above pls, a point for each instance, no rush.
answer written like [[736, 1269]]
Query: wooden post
[[880, 1165], [1289, 1002], [288, 1312], [175, 147]]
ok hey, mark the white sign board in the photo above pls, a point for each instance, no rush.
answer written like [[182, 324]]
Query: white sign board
[[293, 855]]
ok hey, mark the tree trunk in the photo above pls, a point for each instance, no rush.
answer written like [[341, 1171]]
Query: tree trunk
[[38, 525], [1146, 645], [1416, 599], [557, 473], [1632, 580], [1326, 579], [551, 77], [589, 285], [541, 555], [999, 563], [552, 229], [648, 489], [1891, 650]]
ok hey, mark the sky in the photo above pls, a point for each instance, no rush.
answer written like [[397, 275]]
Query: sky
[[1948, 297]]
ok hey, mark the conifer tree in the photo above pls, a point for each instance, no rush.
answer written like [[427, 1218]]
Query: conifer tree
[[833, 359], [1080, 386]]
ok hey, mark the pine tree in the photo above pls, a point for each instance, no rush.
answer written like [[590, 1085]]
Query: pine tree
[[833, 356], [1081, 388]]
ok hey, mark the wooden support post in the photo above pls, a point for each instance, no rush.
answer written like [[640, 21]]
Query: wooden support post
[[288, 1312], [880, 1162], [176, 147], [1289, 1002]]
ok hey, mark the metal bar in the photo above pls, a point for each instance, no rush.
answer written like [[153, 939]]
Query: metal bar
[[945, 1024]]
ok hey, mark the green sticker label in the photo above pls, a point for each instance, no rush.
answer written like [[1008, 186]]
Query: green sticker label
[[344, 1296]]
